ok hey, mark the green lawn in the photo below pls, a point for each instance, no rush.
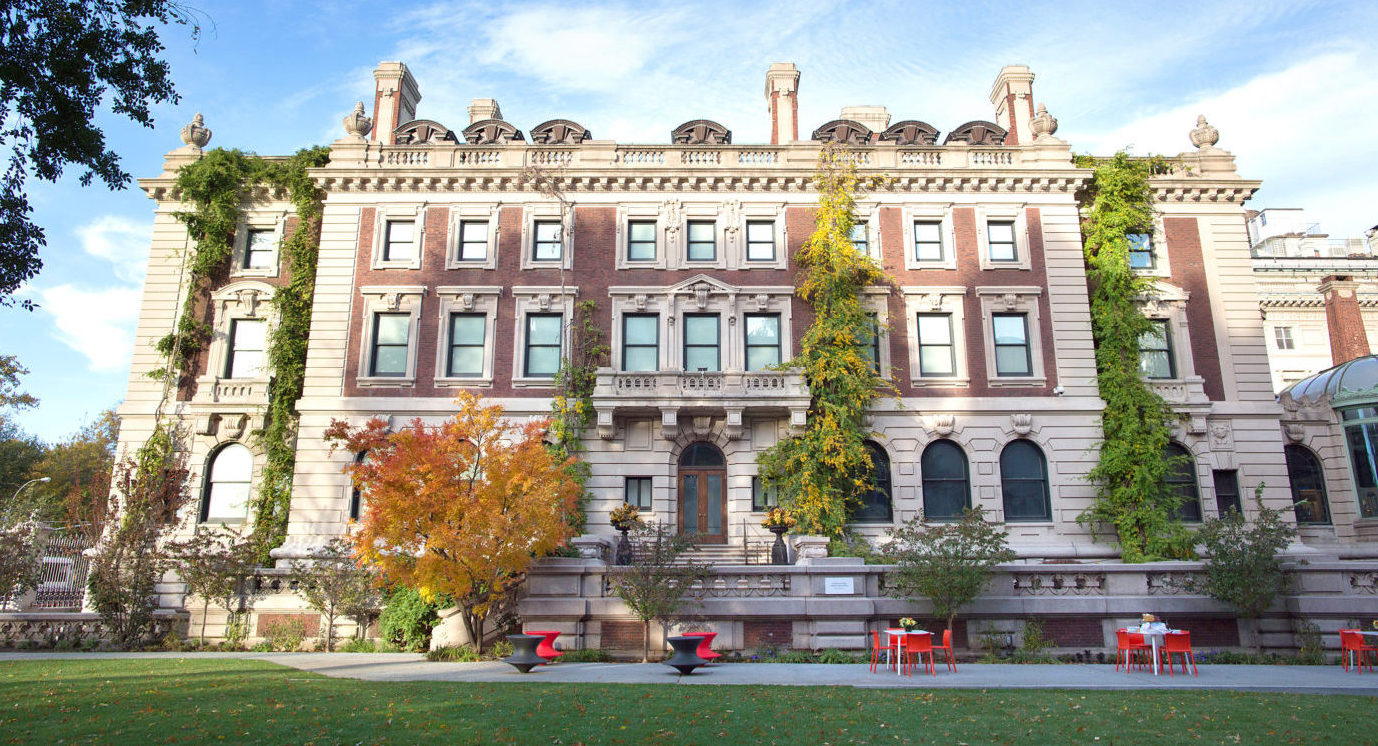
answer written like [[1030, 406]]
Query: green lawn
[[239, 701]]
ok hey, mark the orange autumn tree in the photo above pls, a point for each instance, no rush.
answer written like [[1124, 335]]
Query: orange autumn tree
[[458, 510]]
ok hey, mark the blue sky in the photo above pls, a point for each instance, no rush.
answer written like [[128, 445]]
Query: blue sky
[[1290, 86]]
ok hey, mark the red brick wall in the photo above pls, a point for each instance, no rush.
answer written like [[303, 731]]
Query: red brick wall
[[621, 636], [1214, 632], [767, 634], [1074, 632], [1189, 273]]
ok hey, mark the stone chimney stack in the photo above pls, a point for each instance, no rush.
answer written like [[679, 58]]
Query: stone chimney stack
[[394, 103], [782, 96], [1344, 320], [1012, 95], [876, 118], [484, 108]]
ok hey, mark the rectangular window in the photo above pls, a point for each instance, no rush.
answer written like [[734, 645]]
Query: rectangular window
[[640, 343], [1140, 251], [937, 356], [859, 239], [399, 241], [1282, 335], [1226, 491], [928, 241], [872, 351], [701, 342], [258, 250], [762, 340], [637, 492], [1000, 235], [760, 240], [641, 240], [247, 338], [763, 498], [1011, 332], [391, 333], [467, 332], [543, 333], [1155, 352], [546, 247], [473, 240], [703, 242]]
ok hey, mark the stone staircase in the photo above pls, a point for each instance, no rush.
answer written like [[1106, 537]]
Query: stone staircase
[[732, 553]]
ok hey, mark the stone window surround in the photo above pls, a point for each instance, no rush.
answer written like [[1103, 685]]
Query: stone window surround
[[731, 305], [258, 220], [385, 213], [460, 214], [540, 212], [735, 217], [1170, 304], [480, 299], [929, 213], [539, 299], [938, 299], [1013, 299], [876, 301], [868, 213], [199, 506], [644, 212], [1001, 213], [242, 300], [389, 299]]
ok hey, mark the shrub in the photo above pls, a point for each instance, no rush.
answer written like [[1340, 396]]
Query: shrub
[[586, 655], [285, 635], [408, 619], [947, 563], [833, 655], [1309, 647], [1035, 644], [453, 654], [854, 545], [359, 645]]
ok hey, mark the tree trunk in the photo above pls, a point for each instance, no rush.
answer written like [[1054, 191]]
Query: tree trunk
[[951, 620], [205, 610], [646, 641], [473, 626], [330, 632]]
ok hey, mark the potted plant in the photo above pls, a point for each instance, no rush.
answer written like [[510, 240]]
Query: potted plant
[[623, 518], [778, 521], [908, 624]]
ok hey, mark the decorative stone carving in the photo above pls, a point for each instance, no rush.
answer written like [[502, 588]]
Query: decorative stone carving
[[543, 301], [1204, 136], [942, 425], [357, 125], [843, 130], [701, 295], [559, 132], [911, 132], [701, 132], [673, 212], [606, 429], [702, 424], [232, 425], [732, 427], [762, 301], [1222, 437], [492, 132], [423, 132], [195, 134], [1021, 422], [205, 424], [669, 423], [1296, 432], [640, 301], [978, 132], [1196, 425], [732, 217], [1009, 300], [1043, 125], [466, 301]]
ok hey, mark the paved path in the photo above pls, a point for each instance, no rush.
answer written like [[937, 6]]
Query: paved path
[[414, 667]]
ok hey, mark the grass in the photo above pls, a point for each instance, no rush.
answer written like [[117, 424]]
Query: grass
[[242, 701]]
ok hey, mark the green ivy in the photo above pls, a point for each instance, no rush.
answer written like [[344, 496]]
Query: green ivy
[[821, 474], [573, 405], [1130, 477]]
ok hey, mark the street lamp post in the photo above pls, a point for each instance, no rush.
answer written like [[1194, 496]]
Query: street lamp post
[[26, 484]]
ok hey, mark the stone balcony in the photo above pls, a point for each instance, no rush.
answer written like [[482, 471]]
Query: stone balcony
[[730, 394]]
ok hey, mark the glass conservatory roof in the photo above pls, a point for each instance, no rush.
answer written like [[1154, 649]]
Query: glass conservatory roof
[[1347, 384]]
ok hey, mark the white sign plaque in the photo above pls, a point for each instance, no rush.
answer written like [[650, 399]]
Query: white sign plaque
[[838, 586]]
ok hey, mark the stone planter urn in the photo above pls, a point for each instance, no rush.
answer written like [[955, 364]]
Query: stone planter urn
[[623, 556], [779, 553]]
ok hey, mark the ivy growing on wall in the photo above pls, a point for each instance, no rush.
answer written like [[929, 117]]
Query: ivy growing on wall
[[822, 473], [217, 186], [1130, 477], [573, 405]]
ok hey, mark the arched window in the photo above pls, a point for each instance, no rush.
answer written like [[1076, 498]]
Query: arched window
[[702, 454], [227, 485], [1024, 482], [1181, 479], [946, 481], [876, 505], [356, 498], [1308, 485]]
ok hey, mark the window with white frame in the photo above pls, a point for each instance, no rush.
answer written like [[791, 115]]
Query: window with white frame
[[229, 478], [473, 241], [544, 334], [546, 245], [390, 352], [399, 241], [389, 334], [937, 351], [1012, 338], [244, 357], [936, 335], [468, 335], [641, 240], [702, 242], [260, 249], [928, 241], [1000, 241], [762, 340], [1155, 351], [1140, 251], [641, 342], [760, 240], [1282, 337], [1010, 333], [701, 342]]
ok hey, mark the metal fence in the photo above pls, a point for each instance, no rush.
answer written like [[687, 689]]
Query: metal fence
[[62, 569]]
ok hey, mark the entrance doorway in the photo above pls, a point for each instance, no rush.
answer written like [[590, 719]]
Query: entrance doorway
[[703, 494]]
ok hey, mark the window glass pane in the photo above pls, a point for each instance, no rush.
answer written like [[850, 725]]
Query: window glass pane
[[1012, 361], [467, 332], [1140, 251], [1002, 232], [1155, 351], [1363, 460], [638, 492], [762, 329], [542, 362], [640, 330], [640, 343], [393, 328], [1226, 490], [641, 240], [713, 502], [935, 328], [762, 497], [702, 454], [246, 348], [702, 241], [700, 230], [1001, 239], [760, 240], [543, 330], [876, 503], [858, 237], [757, 231], [1181, 479], [473, 240], [399, 242], [701, 358], [1308, 485], [227, 487], [390, 361], [701, 330], [543, 345], [690, 498], [935, 361], [946, 490], [928, 241], [259, 253], [547, 245], [640, 359], [390, 344], [1155, 364], [1009, 330], [1024, 482], [466, 361]]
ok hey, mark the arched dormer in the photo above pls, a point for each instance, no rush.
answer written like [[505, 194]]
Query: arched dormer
[[492, 132], [559, 132], [422, 132], [843, 130], [978, 132], [701, 132], [911, 132]]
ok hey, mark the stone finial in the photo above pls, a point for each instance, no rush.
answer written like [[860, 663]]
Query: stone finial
[[1204, 137], [1044, 125], [195, 134], [356, 124]]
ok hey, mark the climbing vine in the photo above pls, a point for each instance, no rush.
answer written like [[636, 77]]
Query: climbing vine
[[217, 186], [821, 474], [573, 405], [1130, 477]]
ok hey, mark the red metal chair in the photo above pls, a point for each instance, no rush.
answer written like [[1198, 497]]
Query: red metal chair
[[705, 650], [1352, 648], [1128, 644], [546, 648], [1179, 643], [918, 645], [877, 649], [946, 647]]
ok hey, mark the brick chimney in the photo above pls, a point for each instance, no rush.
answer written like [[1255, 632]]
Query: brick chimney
[[1012, 95], [1343, 319], [782, 96], [394, 103], [484, 108]]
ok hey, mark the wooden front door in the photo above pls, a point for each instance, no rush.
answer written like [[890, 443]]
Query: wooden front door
[[703, 494]]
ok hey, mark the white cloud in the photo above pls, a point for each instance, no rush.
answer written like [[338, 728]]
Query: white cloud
[[97, 323], [120, 241]]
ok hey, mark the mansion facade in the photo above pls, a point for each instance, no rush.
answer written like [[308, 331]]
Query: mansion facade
[[458, 258]]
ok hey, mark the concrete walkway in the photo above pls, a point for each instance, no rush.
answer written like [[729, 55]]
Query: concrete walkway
[[414, 667]]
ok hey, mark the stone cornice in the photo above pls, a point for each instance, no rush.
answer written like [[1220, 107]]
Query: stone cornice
[[1223, 191]]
